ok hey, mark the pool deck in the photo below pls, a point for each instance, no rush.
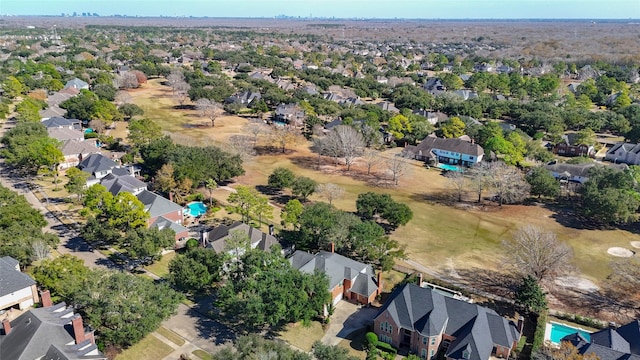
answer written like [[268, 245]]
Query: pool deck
[[547, 331]]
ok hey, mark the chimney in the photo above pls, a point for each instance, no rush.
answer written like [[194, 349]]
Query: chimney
[[332, 247], [612, 325], [6, 326], [420, 279], [170, 196], [78, 328], [271, 230], [45, 298], [379, 282], [520, 324]]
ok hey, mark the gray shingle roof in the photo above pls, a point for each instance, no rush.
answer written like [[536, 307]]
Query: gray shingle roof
[[427, 312], [454, 145], [164, 223], [11, 278], [156, 205], [64, 134], [60, 122], [73, 147], [259, 240], [117, 184], [337, 267], [611, 339], [33, 333], [96, 163]]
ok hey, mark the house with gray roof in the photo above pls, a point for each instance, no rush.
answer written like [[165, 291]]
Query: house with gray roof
[[49, 333], [577, 173], [622, 343], [433, 325], [97, 165], [16, 287], [446, 151], [62, 123], [216, 239], [65, 134], [622, 152], [51, 112], [348, 279], [116, 184], [74, 151], [76, 84], [158, 206], [182, 232]]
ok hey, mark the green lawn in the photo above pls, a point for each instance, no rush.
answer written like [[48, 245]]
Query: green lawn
[[161, 268], [149, 348], [302, 336], [170, 335], [202, 354], [439, 236]]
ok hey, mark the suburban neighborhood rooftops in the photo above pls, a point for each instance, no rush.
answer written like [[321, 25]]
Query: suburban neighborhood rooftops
[[163, 223], [11, 278], [96, 162], [74, 147], [454, 145], [65, 134], [156, 205], [259, 240], [60, 122]]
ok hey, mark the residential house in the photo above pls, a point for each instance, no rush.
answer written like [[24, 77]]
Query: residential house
[[433, 325], [216, 239], [447, 151], [435, 86], [74, 151], [65, 134], [158, 206], [62, 123], [568, 147], [290, 114], [348, 279], [286, 85], [16, 287], [182, 232], [622, 343], [116, 184], [76, 84], [388, 106], [51, 332], [577, 173], [432, 117], [466, 94], [98, 166], [245, 98], [622, 152], [51, 112]]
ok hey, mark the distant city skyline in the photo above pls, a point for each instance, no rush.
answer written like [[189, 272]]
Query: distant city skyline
[[388, 9]]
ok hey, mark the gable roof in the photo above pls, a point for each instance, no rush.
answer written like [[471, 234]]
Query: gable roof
[[11, 278], [74, 147], [625, 147], [164, 223], [430, 313], [33, 333], [337, 268], [117, 184], [454, 145], [64, 134], [96, 163], [259, 240], [60, 122], [631, 333], [156, 205], [602, 352], [76, 84]]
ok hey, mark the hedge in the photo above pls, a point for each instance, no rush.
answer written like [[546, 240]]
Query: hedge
[[386, 347], [538, 335]]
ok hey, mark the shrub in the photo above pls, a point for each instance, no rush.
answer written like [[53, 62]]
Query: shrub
[[582, 320], [388, 348], [538, 335], [372, 340], [195, 197], [192, 243]]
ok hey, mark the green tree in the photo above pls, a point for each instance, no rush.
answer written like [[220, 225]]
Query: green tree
[[281, 178], [211, 185], [399, 125], [585, 137], [147, 243], [331, 352], [370, 204], [453, 128], [291, 213], [608, 196], [529, 295], [125, 212], [397, 214], [255, 346], [247, 202], [77, 181], [143, 131], [130, 110], [28, 110], [188, 274], [451, 81], [63, 276], [13, 87], [303, 187], [542, 183]]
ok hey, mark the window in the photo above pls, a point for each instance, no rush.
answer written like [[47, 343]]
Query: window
[[424, 340], [433, 340], [431, 353], [386, 327], [424, 354]]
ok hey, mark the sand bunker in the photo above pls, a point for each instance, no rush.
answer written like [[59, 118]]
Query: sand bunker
[[576, 283], [635, 244], [620, 252]]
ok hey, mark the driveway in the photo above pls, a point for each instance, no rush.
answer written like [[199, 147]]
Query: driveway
[[346, 319]]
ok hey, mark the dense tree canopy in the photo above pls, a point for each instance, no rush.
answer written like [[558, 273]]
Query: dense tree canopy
[[608, 197]]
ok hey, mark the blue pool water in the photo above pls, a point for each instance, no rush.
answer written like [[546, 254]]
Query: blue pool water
[[450, 167], [558, 331], [196, 209]]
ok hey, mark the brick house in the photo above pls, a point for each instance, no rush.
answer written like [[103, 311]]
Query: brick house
[[432, 325], [348, 279], [568, 147]]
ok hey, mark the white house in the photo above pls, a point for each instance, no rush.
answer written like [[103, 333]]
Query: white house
[[16, 287], [622, 152]]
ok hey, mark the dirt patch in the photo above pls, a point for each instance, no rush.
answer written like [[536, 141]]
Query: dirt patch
[[635, 244], [620, 252], [576, 282]]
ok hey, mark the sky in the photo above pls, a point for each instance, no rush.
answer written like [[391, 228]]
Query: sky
[[425, 9]]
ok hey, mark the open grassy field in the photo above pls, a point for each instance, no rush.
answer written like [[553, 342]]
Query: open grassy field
[[441, 237], [161, 268], [302, 337]]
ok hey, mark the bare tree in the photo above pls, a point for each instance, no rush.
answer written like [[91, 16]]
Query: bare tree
[[319, 148], [40, 250], [533, 251], [97, 125], [283, 136], [241, 145], [123, 97], [623, 284], [209, 109], [127, 80], [174, 78], [480, 176], [256, 128], [371, 159], [397, 166], [330, 191], [509, 183], [458, 181], [346, 142], [181, 92]]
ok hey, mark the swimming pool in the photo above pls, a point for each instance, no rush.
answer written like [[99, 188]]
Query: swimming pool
[[556, 331], [196, 209], [450, 167]]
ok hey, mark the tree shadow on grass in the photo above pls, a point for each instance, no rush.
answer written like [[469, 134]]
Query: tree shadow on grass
[[490, 281]]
